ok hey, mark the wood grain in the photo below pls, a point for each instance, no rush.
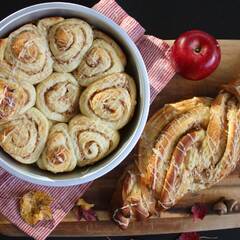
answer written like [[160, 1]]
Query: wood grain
[[177, 219]]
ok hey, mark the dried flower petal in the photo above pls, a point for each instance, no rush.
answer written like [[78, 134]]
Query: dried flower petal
[[83, 204], [189, 236], [35, 207], [85, 211], [89, 215], [199, 210]]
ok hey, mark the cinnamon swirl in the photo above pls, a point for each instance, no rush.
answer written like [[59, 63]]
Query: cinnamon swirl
[[58, 155], [15, 99], [69, 40], [103, 58], [25, 56], [58, 96], [24, 137], [92, 140], [111, 99]]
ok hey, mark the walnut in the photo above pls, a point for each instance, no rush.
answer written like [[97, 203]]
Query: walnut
[[224, 206], [232, 205], [35, 207]]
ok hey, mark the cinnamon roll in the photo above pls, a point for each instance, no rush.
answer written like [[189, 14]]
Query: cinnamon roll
[[111, 99], [103, 58], [29, 98], [25, 56], [58, 155], [58, 96], [46, 23], [24, 137], [69, 40], [92, 140], [15, 99]]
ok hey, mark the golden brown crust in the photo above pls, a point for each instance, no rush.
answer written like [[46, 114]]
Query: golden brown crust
[[186, 146]]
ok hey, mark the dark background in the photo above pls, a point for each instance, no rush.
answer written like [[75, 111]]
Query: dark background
[[167, 19]]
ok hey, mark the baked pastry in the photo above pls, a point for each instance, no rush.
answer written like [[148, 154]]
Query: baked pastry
[[36, 65], [29, 98], [103, 58], [58, 155], [45, 24], [15, 99], [186, 147], [24, 55], [111, 99], [24, 137], [92, 140], [69, 40], [58, 96]]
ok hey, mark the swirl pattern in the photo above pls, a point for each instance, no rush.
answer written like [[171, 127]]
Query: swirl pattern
[[43, 66], [92, 140], [58, 155], [24, 138], [111, 99], [103, 58], [69, 40], [24, 55], [186, 147], [58, 96], [15, 99]]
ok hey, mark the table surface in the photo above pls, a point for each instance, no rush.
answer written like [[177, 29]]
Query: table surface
[[166, 20]]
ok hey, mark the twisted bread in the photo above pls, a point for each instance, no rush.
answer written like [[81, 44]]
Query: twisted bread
[[186, 147]]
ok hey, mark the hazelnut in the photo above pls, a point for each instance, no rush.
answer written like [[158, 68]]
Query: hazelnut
[[232, 205], [220, 207]]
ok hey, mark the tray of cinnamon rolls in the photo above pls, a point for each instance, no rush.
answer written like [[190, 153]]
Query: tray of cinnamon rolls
[[64, 94]]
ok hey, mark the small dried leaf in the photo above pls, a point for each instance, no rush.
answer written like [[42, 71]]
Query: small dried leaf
[[189, 236], [84, 205], [199, 210], [35, 207]]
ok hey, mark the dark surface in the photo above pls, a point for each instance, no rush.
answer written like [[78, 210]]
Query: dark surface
[[167, 19]]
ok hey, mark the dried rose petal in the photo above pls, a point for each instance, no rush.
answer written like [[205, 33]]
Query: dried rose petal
[[199, 210], [88, 215], [189, 236], [85, 211]]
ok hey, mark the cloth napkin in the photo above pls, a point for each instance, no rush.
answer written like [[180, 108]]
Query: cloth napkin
[[156, 55]]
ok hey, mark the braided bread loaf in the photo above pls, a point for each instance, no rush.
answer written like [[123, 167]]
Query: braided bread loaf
[[186, 147]]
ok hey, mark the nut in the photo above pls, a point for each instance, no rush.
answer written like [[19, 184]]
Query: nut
[[220, 207], [232, 205]]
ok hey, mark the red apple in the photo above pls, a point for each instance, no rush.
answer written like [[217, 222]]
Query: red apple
[[196, 54]]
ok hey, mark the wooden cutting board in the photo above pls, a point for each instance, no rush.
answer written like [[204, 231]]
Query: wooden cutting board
[[177, 219]]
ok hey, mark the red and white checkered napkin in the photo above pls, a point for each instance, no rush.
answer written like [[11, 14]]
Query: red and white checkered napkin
[[156, 56]]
